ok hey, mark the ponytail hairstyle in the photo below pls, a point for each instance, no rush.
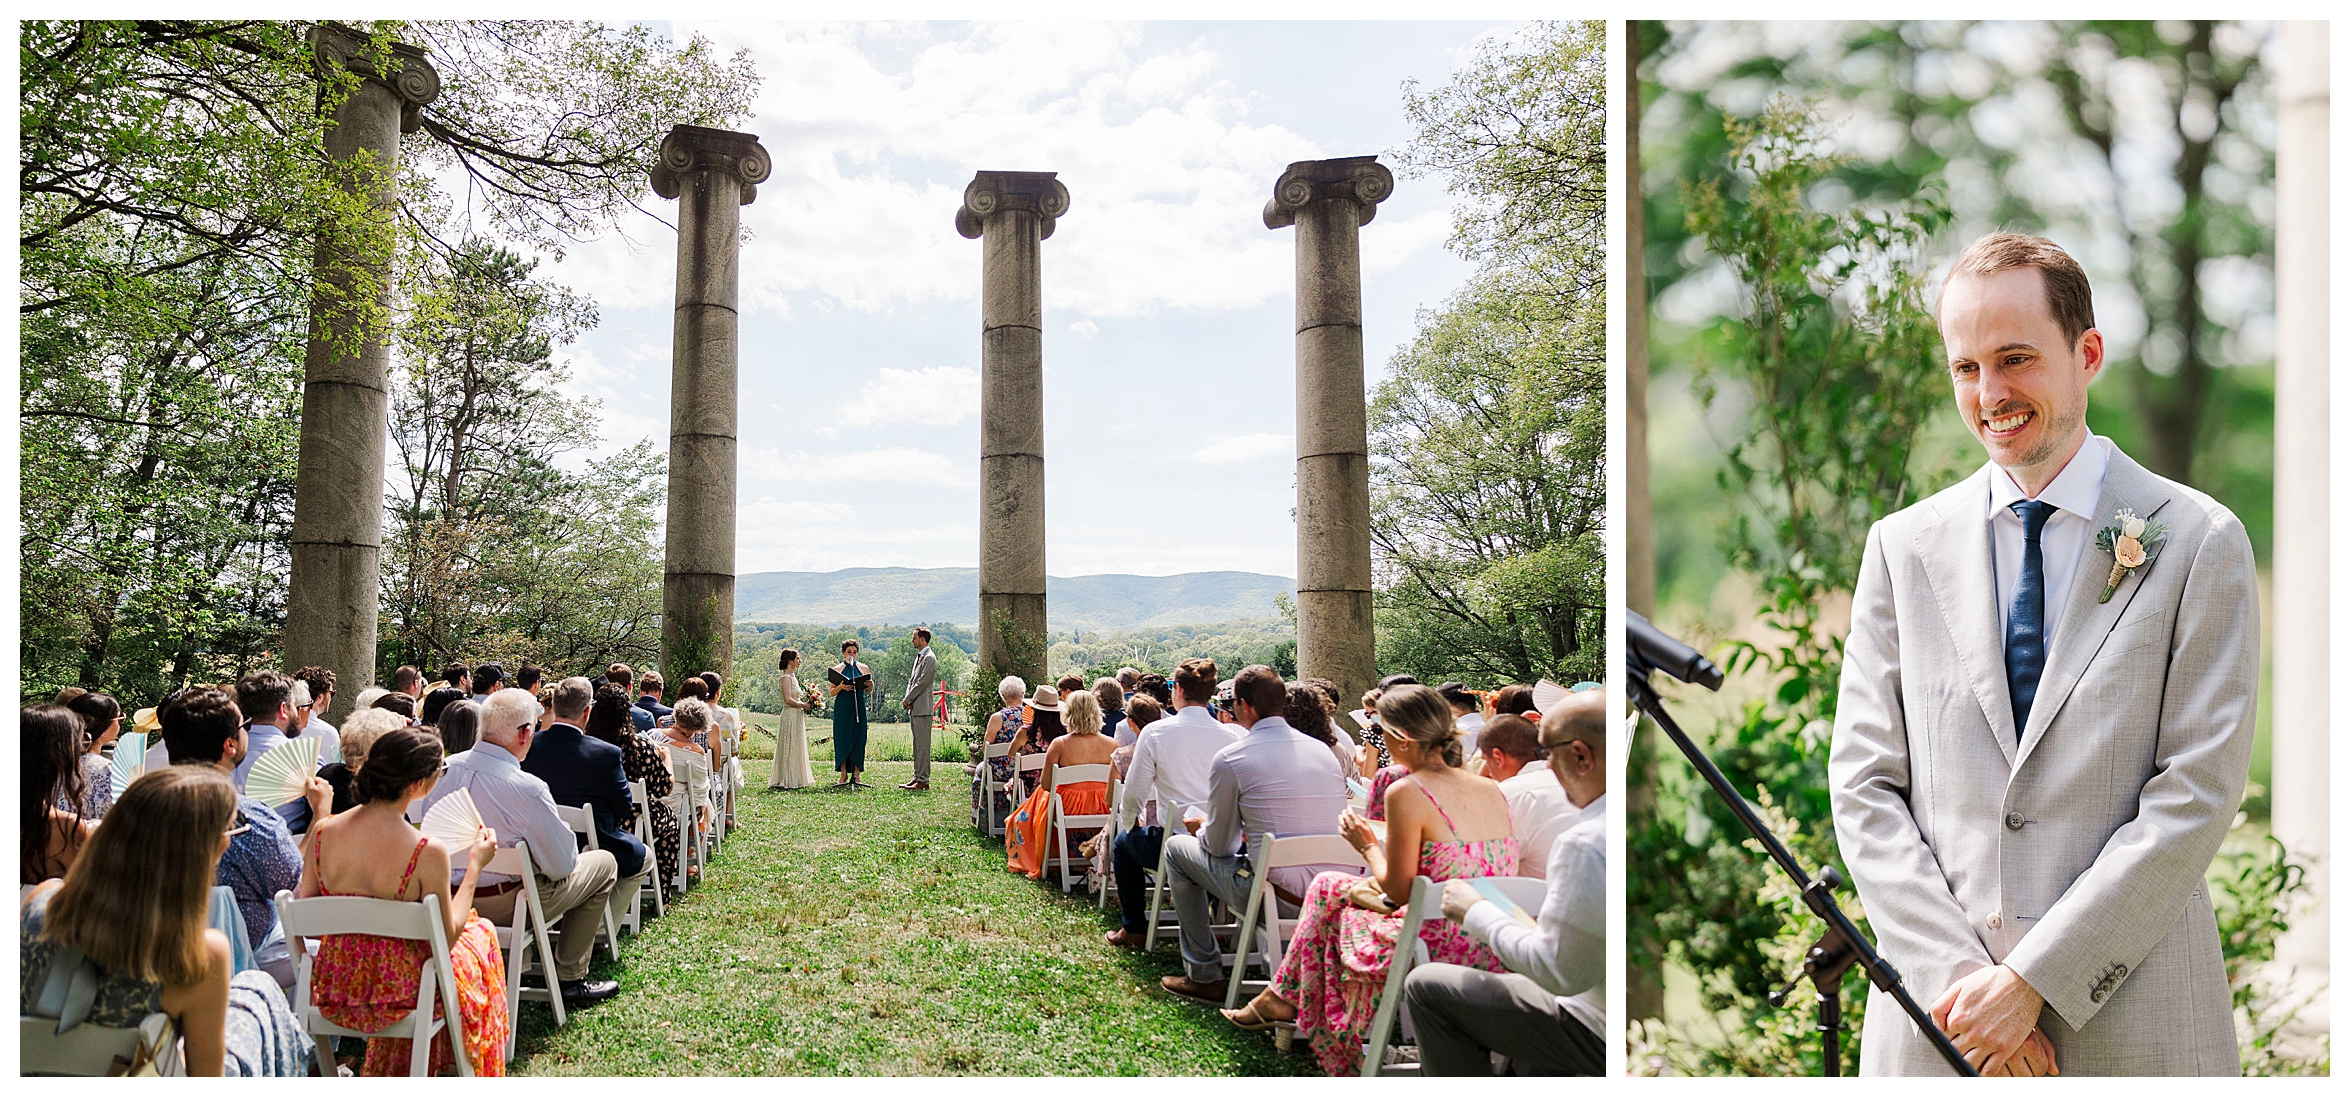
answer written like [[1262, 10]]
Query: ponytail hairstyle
[[135, 898], [398, 759], [1415, 712]]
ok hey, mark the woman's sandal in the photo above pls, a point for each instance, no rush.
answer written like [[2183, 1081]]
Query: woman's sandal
[[1247, 1019]]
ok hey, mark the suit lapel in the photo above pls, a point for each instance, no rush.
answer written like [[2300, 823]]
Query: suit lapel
[[1960, 541], [2086, 623]]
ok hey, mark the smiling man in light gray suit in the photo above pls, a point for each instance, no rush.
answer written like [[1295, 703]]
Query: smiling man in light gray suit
[[2045, 719]]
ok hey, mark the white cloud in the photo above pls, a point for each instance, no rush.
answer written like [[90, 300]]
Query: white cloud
[[1167, 173], [936, 397], [887, 465], [1247, 447], [1086, 329]]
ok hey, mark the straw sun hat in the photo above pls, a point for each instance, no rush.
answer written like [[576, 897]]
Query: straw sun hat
[[1047, 699]]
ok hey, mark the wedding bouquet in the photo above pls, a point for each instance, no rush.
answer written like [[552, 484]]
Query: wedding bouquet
[[819, 697]]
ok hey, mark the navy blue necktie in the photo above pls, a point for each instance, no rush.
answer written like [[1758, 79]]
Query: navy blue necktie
[[2027, 636]]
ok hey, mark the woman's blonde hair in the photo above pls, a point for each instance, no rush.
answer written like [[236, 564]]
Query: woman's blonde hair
[[1421, 715], [362, 728], [134, 900], [1083, 713]]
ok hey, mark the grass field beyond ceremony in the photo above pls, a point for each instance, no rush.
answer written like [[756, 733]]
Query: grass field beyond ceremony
[[875, 933]]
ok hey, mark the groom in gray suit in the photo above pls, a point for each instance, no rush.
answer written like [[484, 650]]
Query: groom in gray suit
[[2045, 718], [921, 684]]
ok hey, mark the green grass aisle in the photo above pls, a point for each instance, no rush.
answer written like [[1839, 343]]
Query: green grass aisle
[[874, 933]]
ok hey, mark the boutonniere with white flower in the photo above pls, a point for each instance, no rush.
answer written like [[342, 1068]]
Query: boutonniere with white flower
[[2131, 544]]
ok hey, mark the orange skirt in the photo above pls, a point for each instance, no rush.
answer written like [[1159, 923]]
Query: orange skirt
[[1030, 832]]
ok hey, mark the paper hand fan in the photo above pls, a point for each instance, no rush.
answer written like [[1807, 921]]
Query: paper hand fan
[[1361, 717], [1548, 694], [281, 775], [130, 759], [456, 822]]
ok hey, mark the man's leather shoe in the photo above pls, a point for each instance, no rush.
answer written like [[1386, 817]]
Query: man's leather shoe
[[915, 786], [1122, 939], [1182, 986], [587, 992]]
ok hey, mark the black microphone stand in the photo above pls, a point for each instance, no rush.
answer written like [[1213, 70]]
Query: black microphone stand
[[1842, 945]]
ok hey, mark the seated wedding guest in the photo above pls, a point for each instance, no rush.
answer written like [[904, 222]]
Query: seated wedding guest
[[1539, 811], [1169, 774], [573, 886], [609, 721], [267, 700], [726, 722], [398, 704], [1138, 717], [455, 676], [438, 702], [203, 727], [1547, 1013], [1308, 711], [368, 697], [528, 679], [1128, 678], [1515, 699], [1468, 716], [1029, 834], [585, 772], [1008, 725], [690, 762], [311, 722], [649, 699], [1112, 697], [360, 732], [489, 678], [371, 852], [1156, 686], [51, 825], [1372, 756], [1044, 722], [1444, 823], [1273, 781], [410, 681], [101, 721], [131, 917]]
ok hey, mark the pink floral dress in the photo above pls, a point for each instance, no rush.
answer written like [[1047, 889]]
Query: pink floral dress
[[366, 982], [1337, 964]]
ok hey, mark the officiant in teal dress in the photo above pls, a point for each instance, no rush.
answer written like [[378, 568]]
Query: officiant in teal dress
[[852, 688]]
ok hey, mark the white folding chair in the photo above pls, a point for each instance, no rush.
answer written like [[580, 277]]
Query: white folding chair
[[1269, 852], [582, 821], [689, 835], [651, 888], [95, 1051], [983, 813], [1060, 822], [1427, 904], [1107, 881], [527, 930], [1028, 771], [423, 920]]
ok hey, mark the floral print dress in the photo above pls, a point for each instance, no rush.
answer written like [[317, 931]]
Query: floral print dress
[[1337, 963], [997, 770], [366, 982]]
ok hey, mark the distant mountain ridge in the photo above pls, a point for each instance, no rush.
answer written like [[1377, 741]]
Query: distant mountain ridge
[[885, 596]]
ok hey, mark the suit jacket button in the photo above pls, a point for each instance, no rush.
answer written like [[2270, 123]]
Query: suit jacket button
[[2097, 995], [1992, 921], [2015, 820]]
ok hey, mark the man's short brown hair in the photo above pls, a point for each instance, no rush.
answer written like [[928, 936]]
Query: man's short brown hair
[[1262, 689], [620, 675], [2066, 284], [320, 680], [1195, 679], [1512, 735], [651, 683]]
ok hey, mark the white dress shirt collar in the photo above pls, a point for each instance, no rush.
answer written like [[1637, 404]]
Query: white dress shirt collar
[[2074, 491]]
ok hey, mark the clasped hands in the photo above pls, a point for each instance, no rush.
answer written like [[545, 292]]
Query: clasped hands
[[1992, 1015]]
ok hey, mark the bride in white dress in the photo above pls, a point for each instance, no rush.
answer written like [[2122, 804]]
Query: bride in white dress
[[791, 730]]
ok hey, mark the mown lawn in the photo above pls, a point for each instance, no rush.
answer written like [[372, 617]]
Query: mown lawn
[[874, 933]]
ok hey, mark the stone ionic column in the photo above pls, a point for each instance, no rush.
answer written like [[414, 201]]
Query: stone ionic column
[[337, 541], [713, 174], [1329, 201], [1010, 213]]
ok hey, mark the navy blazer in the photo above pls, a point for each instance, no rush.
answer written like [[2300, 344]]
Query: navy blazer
[[580, 771]]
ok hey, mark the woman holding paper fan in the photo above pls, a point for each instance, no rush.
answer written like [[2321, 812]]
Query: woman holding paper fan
[[367, 982], [1444, 823]]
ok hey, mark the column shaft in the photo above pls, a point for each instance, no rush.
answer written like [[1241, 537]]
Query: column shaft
[[1334, 634], [697, 581], [337, 538]]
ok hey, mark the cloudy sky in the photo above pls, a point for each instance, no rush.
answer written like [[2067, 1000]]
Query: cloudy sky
[[1168, 305]]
